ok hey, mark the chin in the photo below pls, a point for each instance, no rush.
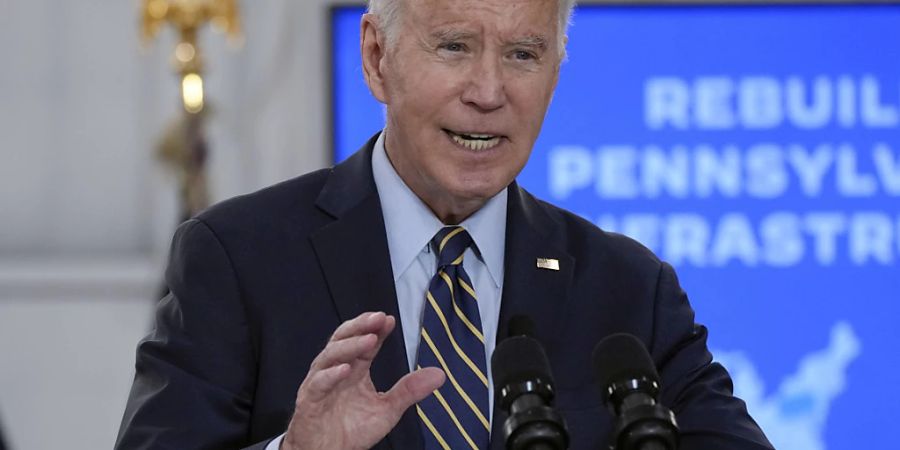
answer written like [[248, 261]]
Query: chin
[[479, 191]]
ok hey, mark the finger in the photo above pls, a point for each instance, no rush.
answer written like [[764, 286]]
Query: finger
[[344, 351], [360, 367], [414, 387], [369, 322], [321, 382], [389, 323]]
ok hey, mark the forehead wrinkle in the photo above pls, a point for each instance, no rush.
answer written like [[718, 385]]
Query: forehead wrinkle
[[437, 21]]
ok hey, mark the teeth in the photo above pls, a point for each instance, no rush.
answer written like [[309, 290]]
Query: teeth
[[480, 141]]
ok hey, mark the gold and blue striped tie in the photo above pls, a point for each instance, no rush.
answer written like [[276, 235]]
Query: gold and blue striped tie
[[456, 415]]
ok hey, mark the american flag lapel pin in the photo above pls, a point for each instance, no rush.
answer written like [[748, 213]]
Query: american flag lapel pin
[[548, 263]]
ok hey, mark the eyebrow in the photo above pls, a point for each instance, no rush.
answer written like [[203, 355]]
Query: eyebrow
[[446, 35], [532, 41], [451, 35]]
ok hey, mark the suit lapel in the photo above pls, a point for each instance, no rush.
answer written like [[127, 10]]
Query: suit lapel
[[354, 257], [538, 293]]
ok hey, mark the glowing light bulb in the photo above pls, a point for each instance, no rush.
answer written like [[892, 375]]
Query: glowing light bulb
[[192, 92]]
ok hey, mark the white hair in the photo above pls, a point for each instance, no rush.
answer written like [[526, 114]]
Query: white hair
[[388, 14]]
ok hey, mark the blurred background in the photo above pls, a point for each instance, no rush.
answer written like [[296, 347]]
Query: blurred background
[[754, 146], [86, 207]]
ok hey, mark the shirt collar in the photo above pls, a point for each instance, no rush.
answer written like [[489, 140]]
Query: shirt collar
[[410, 224]]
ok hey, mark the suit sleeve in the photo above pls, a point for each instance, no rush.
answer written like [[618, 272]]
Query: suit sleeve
[[698, 390], [195, 372]]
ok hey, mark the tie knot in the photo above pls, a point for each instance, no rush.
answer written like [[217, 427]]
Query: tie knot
[[450, 244]]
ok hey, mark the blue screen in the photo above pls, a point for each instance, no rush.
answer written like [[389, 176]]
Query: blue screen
[[757, 149]]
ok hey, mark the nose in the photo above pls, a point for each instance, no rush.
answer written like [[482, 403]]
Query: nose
[[485, 89]]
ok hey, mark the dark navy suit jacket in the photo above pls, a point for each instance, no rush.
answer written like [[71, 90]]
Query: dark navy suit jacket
[[259, 282]]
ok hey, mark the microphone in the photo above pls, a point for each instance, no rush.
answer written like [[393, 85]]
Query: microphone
[[630, 385], [521, 375]]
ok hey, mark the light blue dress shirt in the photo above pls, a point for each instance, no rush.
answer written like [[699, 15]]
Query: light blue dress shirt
[[410, 226]]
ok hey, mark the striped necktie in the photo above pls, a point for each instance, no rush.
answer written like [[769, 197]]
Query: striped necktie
[[456, 415]]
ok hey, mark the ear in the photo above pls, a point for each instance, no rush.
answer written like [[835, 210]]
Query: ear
[[372, 48]]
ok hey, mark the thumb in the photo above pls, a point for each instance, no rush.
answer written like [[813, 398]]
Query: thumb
[[414, 387]]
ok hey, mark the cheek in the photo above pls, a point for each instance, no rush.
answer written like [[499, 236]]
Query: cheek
[[534, 96], [422, 105]]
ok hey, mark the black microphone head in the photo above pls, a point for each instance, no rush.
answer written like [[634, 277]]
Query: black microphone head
[[521, 325], [519, 359], [523, 388], [619, 357]]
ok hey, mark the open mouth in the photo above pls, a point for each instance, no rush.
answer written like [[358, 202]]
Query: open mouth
[[474, 141]]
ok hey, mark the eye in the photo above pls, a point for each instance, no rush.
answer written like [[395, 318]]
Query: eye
[[453, 47], [524, 55]]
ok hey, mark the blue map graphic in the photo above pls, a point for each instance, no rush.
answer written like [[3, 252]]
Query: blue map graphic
[[795, 415]]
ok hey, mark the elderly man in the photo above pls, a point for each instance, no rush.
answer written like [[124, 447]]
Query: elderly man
[[357, 307]]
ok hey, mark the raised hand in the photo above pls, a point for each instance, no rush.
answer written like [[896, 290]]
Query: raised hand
[[337, 404]]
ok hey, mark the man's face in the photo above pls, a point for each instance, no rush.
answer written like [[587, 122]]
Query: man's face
[[467, 84]]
